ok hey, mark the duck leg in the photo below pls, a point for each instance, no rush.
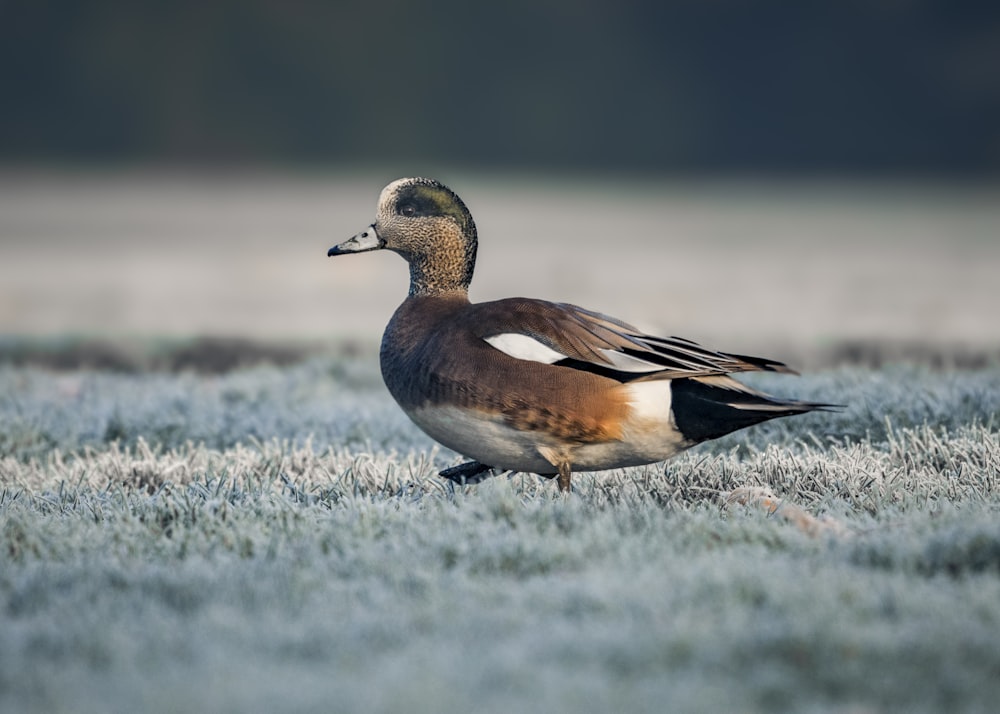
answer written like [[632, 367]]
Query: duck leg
[[565, 474], [471, 472], [562, 458]]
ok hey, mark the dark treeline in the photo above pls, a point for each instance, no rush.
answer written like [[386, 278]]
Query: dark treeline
[[849, 86]]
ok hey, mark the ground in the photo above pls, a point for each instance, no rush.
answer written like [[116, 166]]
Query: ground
[[287, 545], [246, 522]]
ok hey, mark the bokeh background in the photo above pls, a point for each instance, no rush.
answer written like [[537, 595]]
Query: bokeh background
[[757, 175]]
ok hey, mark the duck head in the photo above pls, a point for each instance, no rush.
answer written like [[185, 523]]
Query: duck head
[[425, 222]]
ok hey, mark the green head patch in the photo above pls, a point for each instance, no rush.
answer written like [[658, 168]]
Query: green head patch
[[429, 198]]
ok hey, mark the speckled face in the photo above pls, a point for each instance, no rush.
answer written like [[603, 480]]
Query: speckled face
[[427, 223], [410, 208]]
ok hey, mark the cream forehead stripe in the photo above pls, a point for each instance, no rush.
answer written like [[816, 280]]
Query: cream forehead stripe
[[389, 190]]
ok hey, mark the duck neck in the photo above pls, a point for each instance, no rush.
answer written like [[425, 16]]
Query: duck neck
[[446, 272]]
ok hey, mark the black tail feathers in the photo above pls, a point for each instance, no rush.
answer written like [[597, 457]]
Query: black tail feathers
[[709, 407]]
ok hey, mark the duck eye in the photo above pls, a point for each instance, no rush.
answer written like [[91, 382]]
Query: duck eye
[[408, 209]]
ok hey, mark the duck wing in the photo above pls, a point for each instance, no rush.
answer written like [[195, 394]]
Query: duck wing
[[567, 335]]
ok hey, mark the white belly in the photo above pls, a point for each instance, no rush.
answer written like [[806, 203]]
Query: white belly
[[489, 441], [648, 436]]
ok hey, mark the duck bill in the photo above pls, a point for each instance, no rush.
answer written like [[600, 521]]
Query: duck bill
[[368, 239]]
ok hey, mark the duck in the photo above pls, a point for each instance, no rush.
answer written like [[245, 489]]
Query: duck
[[533, 386]]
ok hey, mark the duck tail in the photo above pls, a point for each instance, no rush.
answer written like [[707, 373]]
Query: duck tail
[[709, 407]]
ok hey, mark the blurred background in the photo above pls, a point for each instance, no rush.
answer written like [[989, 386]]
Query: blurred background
[[756, 175]]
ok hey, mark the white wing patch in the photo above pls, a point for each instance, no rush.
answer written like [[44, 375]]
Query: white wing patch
[[524, 347]]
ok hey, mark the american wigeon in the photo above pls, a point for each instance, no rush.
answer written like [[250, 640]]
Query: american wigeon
[[534, 386]]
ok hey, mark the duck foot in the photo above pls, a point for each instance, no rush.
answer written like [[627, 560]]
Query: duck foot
[[471, 472]]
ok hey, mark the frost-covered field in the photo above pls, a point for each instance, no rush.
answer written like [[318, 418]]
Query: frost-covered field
[[275, 539]]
